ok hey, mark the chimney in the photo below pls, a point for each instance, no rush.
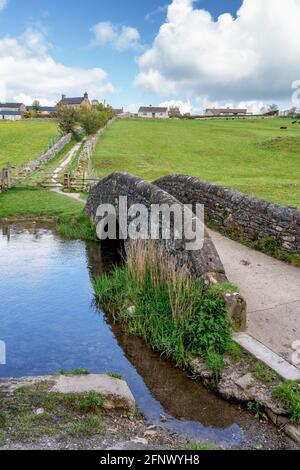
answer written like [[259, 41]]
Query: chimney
[[63, 97], [86, 96]]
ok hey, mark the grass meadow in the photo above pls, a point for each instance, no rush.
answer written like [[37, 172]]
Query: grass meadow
[[255, 157], [22, 141]]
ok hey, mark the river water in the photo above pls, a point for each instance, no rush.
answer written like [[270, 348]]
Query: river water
[[50, 322]]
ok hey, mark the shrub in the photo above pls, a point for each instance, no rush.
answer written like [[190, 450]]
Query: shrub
[[91, 120], [210, 330], [67, 118]]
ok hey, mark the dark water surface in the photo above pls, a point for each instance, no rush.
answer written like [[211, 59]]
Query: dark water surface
[[49, 322]]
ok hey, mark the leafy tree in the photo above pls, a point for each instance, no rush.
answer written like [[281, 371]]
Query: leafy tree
[[91, 119], [31, 114], [67, 119], [36, 105]]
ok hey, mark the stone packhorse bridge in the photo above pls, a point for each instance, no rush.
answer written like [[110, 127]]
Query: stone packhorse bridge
[[204, 263]]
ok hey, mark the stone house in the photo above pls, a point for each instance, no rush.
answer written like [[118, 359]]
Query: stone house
[[153, 112], [75, 102]]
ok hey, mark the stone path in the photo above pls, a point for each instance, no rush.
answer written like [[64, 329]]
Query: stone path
[[58, 171], [272, 291]]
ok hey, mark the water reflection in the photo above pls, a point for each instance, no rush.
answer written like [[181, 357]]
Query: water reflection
[[49, 322]]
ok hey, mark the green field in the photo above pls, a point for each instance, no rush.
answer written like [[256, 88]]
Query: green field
[[37, 203], [23, 141], [256, 157]]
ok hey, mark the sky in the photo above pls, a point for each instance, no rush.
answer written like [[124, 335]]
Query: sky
[[195, 54]]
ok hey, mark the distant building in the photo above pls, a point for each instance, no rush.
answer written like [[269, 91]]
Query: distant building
[[118, 112], [75, 102], [43, 110], [11, 111], [153, 112], [215, 112]]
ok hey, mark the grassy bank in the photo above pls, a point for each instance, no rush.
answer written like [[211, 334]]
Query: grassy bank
[[72, 222], [22, 141], [255, 157], [36, 203], [173, 314]]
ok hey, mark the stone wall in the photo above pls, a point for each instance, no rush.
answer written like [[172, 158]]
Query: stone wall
[[252, 218], [47, 156], [203, 263], [90, 145]]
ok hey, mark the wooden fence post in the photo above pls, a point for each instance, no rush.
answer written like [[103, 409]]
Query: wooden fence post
[[67, 181], [6, 179]]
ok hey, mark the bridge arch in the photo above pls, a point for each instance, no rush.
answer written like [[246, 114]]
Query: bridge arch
[[204, 263]]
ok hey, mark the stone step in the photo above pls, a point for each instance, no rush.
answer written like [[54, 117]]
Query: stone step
[[115, 392], [282, 367]]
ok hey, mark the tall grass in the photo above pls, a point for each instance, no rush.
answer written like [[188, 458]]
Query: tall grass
[[159, 302]]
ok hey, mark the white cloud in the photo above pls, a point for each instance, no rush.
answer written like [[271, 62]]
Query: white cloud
[[3, 4], [253, 57], [27, 71], [184, 106], [120, 38]]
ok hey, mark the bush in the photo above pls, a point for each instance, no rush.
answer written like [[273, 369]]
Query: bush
[[210, 327], [67, 119], [91, 120]]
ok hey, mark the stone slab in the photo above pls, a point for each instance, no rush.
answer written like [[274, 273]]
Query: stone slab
[[115, 392], [283, 368]]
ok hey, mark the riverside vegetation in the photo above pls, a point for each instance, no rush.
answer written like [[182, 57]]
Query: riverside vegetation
[[182, 319], [174, 314]]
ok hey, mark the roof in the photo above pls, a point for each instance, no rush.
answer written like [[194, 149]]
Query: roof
[[226, 110], [70, 101], [11, 105], [119, 111], [10, 113], [152, 109], [50, 109]]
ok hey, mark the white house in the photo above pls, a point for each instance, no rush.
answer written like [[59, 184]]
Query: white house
[[153, 112], [11, 111]]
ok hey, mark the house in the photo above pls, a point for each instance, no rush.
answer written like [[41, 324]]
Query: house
[[221, 112], [75, 102], [11, 111], [118, 112], [153, 112]]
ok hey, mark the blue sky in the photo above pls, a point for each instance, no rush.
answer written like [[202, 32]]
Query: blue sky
[[64, 29]]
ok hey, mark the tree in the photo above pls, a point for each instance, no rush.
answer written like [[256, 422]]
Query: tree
[[90, 119], [174, 112], [67, 119], [293, 112], [36, 105]]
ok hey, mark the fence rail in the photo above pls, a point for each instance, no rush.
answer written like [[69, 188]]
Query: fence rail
[[64, 182]]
